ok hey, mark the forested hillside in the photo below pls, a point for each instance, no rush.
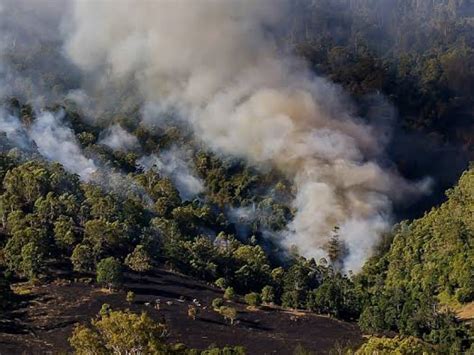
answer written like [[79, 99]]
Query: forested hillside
[[300, 159], [426, 273], [419, 54]]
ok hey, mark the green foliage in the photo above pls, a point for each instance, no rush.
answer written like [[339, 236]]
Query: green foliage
[[221, 283], [254, 271], [130, 297], [335, 296], [64, 233], [48, 216], [421, 56], [301, 277], [224, 188], [162, 191], [139, 260], [229, 313], [397, 345], [119, 332], [268, 294], [430, 259], [109, 272], [229, 293], [124, 332], [217, 303], [82, 258], [252, 299], [31, 260], [104, 236]]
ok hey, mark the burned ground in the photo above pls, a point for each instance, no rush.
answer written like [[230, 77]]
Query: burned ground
[[46, 315]]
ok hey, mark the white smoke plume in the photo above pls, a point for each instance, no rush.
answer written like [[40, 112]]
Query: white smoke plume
[[32, 65], [57, 142], [51, 138], [175, 164], [13, 130], [117, 138], [215, 62]]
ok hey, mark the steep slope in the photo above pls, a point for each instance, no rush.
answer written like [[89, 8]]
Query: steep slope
[[426, 274], [435, 254]]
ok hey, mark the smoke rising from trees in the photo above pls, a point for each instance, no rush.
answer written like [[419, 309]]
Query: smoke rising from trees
[[216, 64]]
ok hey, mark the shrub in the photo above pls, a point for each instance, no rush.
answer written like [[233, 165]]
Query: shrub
[[217, 303], [130, 296], [229, 313], [252, 299], [109, 272], [268, 294], [221, 283], [229, 293]]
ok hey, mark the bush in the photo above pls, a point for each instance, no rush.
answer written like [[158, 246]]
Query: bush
[[109, 272], [221, 283], [217, 303], [229, 313], [229, 293], [130, 296], [268, 294], [138, 260], [252, 299], [397, 345], [119, 332], [82, 258]]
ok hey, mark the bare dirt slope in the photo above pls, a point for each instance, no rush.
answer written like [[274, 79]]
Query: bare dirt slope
[[44, 320]]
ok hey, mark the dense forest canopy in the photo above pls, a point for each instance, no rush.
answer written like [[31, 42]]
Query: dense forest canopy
[[270, 148]]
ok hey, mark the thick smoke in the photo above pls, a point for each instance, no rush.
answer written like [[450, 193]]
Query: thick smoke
[[13, 130], [176, 165], [117, 138], [50, 137], [32, 64], [215, 63], [57, 142]]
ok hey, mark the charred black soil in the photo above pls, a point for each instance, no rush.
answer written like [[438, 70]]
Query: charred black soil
[[46, 315]]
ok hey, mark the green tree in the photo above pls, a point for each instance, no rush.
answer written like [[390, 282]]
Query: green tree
[[64, 233], [139, 260], [82, 258], [397, 345], [32, 260], [104, 236], [229, 313], [109, 272], [336, 249], [268, 294], [120, 332]]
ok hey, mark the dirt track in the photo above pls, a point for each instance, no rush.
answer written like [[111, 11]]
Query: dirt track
[[45, 320]]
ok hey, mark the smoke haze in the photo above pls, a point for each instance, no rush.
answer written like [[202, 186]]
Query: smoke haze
[[57, 142], [50, 137], [216, 64], [117, 138], [176, 165]]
